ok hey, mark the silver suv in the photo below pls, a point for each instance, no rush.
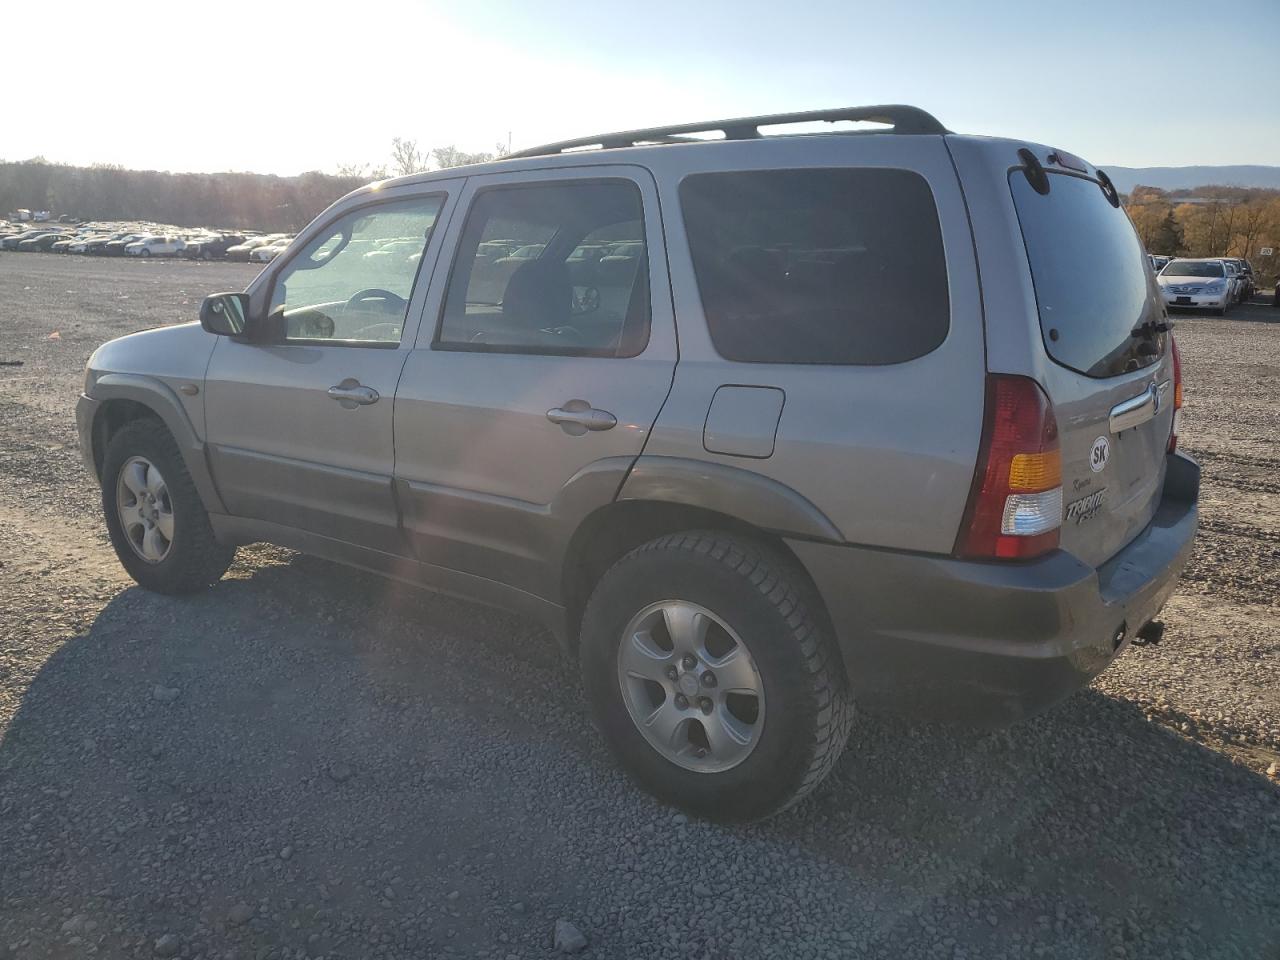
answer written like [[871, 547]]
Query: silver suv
[[759, 426]]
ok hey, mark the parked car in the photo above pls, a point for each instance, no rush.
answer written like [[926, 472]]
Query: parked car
[[1235, 285], [1158, 262], [12, 241], [155, 246], [241, 251], [1201, 283], [211, 248], [42, 243], [95, 244], [82, 243], [116, 248], [1246, 285], [731, 578], [64, 245], [269, 251], [396, 248]]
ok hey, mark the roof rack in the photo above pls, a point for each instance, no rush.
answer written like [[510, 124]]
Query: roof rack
[[904, 119]]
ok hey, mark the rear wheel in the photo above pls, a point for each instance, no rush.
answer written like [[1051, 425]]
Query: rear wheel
[[712, 677], [155, 518]]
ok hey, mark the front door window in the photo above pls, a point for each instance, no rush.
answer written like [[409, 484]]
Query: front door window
[[352, 283]]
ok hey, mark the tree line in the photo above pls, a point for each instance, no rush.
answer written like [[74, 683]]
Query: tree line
[[233, 201], [1211, 221], [249, 201]]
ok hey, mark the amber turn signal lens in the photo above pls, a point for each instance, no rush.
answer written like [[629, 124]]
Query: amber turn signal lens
[[1033, 472]]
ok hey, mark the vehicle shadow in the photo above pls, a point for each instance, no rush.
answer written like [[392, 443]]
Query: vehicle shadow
[[160, 762], [1258, 309]]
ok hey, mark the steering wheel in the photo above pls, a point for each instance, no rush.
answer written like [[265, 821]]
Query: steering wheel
[[376, 293]]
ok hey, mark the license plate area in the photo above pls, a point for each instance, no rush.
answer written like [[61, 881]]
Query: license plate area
[[1182, 300]]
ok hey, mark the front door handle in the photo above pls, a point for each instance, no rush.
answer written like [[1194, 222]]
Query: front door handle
[[351, 393], [577, 417]]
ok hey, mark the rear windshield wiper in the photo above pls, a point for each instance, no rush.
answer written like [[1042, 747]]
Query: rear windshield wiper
[[1150, 329]]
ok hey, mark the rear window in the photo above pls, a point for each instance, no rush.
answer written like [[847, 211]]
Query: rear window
[[1090, 277], [818, 266]]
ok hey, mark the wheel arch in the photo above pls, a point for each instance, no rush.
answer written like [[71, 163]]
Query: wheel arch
[[124, 398], [612, 531]]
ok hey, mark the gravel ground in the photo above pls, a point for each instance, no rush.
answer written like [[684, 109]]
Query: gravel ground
[[311, 762]]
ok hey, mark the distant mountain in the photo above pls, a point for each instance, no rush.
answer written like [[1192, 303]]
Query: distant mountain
[[1183, 178]]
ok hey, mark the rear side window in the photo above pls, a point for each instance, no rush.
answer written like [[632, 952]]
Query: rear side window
[[1090, 277], [818, 266]]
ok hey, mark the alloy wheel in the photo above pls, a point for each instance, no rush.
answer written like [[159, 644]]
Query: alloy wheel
[[145, 509], [690, 686]]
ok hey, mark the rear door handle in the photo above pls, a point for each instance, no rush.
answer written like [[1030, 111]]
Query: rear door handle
[[352, 393], [577, 417], [1138, 410]]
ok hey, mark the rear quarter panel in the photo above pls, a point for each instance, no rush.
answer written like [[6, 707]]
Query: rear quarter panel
[[885, 452]]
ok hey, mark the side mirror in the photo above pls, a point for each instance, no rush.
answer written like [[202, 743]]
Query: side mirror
[[225, 314]]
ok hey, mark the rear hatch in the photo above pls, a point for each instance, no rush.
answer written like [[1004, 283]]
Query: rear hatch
[[1110, 379]]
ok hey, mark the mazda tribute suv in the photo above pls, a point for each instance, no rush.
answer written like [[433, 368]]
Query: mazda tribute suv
[[760, 426]]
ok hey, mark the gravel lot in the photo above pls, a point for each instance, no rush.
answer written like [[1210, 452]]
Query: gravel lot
[[311, 762]]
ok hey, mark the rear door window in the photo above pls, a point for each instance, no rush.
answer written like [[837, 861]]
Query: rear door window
[[825, 266], [1088, 269], [552, 268]]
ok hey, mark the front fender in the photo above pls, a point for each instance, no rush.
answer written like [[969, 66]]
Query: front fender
[[157, 396]]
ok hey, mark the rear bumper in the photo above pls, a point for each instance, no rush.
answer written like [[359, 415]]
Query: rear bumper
[[991, 643]]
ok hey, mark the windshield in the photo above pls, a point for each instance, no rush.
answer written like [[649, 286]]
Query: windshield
[[1193, 268]]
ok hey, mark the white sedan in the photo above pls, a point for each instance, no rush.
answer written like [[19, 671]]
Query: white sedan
[[1202, 284], [156, 247], [270, 251]]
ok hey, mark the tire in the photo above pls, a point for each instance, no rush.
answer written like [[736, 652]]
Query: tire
[[144, 252], [192, 559], [750, 596]]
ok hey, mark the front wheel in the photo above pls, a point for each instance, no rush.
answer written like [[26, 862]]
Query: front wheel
[[712, 676], [155, 518]]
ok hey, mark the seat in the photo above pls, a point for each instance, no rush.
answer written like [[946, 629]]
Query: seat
[[538, 295]]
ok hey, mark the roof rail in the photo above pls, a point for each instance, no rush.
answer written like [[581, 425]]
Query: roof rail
[[904, 119]]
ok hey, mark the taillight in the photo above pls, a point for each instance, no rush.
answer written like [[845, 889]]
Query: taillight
[[1015, 504], [1177, 395]]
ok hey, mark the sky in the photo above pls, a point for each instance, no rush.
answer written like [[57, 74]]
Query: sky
[[277, 86]]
